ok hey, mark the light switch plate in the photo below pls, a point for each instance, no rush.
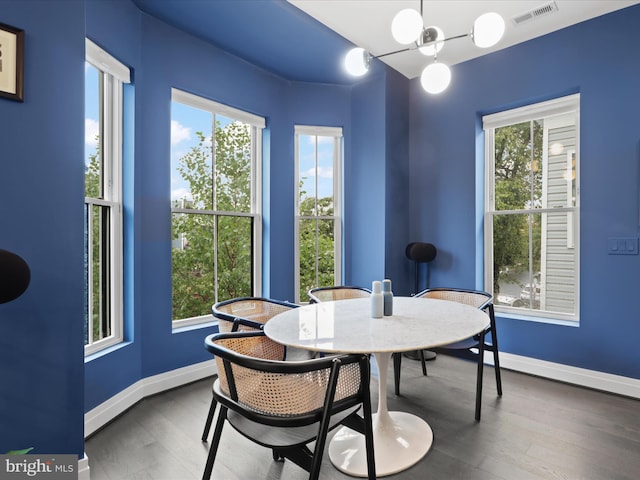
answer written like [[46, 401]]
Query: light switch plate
[[622, 246]]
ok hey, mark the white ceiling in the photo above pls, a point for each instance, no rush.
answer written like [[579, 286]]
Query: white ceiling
[[367, 24]]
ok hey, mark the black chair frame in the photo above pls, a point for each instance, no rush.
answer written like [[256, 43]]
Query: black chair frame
[[293, 433], [462, 349], [237, 323]]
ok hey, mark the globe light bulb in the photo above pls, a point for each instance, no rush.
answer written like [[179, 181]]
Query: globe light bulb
[[435, 78], [356, 62], [406, 26], [487, 30]]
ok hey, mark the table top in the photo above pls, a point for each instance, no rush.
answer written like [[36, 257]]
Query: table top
[[346, 326]]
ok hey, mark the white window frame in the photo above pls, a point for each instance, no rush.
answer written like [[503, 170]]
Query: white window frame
[[319, 131], [114, 75], [257, 123], [571, 157], [557, 108]]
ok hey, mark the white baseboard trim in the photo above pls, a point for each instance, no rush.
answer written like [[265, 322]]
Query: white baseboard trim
[[83, 468], [629, 387], [99, 416]]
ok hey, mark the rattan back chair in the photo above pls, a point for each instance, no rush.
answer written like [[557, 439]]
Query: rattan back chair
[[472, 348], [285, 405], [248, 313], [242, 314], [339, 292]]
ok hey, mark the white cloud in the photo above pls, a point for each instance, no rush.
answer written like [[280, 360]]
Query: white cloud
[[91, 129], [180, 193], [325, 172], [322, 172], [179, 132]]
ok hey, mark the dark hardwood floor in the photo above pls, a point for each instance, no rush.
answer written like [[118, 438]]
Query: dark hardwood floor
[[539, 429]]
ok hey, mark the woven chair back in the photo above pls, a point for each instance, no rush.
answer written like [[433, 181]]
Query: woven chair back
[[472, 298], [328, 294], [278, 388], [258, 310]]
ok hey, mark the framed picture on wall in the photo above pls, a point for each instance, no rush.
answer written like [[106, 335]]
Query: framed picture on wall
[[11, 62]]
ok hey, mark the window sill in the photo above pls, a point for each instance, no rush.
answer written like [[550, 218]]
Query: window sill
[[537, 319], [195, 323], [106, 351]]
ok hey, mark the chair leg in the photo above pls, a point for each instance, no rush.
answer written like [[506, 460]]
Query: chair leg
[[494, 344], [367, 420], [424, 362], [215, 441], [368, 440], [207, 425], [316, 456], [480, 376], [496, 366], [397, 363]]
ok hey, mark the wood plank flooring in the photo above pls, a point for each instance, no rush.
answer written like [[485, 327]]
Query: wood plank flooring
[[539, 429]]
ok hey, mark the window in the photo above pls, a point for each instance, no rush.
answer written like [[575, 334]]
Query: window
[[532, 209], [318, 152], [215, 205], [104, 78]]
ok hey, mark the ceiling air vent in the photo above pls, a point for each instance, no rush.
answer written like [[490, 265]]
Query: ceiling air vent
[[540, 11]]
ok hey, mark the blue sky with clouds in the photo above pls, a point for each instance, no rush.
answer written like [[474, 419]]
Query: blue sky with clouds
[[91, 125], [316, 162]]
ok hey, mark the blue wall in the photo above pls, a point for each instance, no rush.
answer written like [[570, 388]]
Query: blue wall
[[445, 153], [364, 190], [397, 230], [41, 206]]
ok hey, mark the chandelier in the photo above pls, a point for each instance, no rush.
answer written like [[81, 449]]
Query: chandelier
[[408, 28]]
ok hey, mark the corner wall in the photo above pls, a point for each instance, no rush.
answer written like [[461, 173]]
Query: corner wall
[[445, 131], [163, 57], [41, 206]]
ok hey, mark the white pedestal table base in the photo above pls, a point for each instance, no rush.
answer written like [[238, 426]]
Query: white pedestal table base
[[400, 439]]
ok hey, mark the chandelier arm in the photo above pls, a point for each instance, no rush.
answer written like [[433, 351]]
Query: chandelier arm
[[394, 52], [415, 47], [457, 36]]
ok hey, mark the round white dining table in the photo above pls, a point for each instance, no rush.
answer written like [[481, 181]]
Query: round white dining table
[[401, 439]]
